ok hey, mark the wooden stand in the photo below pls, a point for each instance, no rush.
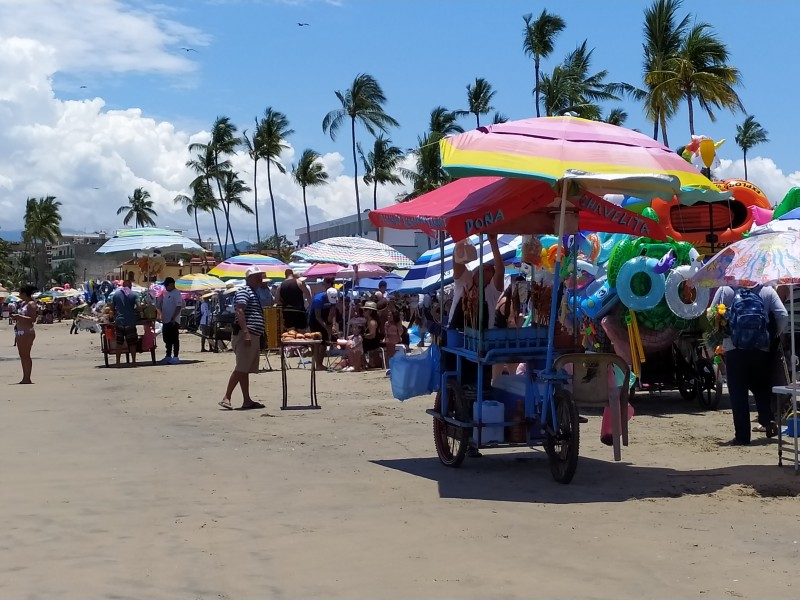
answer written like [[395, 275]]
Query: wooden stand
[[313, 344]]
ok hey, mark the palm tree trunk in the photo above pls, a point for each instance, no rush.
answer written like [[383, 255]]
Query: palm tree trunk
[[272, 201], [255, 200], [478, 119], [663, 119], [691, 114], [655, 125], [355, 173], [744, 152], [216, 229], [375, 196], [199, 239], [308, 224], [536, 88], [230, 230]]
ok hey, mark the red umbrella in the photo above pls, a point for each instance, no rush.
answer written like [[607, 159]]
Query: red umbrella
[[509, 205]]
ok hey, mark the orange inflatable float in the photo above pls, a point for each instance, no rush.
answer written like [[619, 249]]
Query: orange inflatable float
[[720, 223]]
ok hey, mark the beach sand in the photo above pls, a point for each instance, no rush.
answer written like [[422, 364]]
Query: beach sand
[[131, 483]]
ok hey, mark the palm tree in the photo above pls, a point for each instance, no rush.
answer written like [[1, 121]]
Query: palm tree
[[139, 209], [749, 134], [233, 190], [309, 172], [498, 118], [700, 71], [538, 39], [663, 34], [273, 129], [444, 122], [380, 165], [222, 144], [42, 224], [206, 170], [617, 116], [479, 98], [572, 88], [201, 201], [362, 102]]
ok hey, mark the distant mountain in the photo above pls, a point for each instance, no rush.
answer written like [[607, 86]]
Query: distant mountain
[[244, 247], [11, 235]]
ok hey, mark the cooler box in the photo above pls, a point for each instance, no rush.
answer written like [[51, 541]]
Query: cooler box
[[492, 412]]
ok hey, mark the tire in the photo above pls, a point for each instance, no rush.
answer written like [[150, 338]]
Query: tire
[[451, 441], [562, 446], [708, 387]]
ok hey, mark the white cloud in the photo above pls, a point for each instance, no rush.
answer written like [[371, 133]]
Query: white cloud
[[92, 158], [764, 173]]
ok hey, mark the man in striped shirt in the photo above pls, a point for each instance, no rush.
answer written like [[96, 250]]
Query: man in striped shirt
[[248, 328]]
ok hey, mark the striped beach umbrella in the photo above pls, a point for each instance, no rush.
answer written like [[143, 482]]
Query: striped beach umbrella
[[150, 238], [199, 283], [353, 251], [425, 275], [236, 267]]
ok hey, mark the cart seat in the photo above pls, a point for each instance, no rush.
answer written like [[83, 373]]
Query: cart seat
[[590, 387]]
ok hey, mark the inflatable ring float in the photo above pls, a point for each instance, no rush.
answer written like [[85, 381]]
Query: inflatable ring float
[[672, 293], [626, 294]]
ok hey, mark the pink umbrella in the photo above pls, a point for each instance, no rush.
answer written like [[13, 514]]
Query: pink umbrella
[[321, 270]]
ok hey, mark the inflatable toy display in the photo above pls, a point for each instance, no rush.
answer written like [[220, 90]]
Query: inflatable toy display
[[655, 290], [720, 222], [675, 295]]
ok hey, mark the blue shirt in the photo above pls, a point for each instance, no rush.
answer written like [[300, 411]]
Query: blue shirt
[[125, 307], [320, 301]]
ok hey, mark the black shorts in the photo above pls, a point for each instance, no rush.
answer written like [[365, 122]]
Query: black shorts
[[294, 319], [127, 335], [317, 328]]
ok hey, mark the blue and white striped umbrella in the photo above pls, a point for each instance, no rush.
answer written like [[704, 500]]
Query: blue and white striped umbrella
[[425, 275], [150, 238]]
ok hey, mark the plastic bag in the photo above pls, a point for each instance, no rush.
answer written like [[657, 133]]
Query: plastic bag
[[415, 374]]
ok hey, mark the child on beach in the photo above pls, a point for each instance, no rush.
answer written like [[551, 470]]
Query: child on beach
[[393, 334], [355, 350]]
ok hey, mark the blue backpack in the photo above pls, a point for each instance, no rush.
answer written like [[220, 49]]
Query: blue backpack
[[748, 321]]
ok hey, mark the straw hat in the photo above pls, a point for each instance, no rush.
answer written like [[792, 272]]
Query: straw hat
[[370, 305]]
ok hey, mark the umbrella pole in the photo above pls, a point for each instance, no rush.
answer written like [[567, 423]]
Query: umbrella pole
[[480, 304], [551, 331], [441, 283], [794, 378]]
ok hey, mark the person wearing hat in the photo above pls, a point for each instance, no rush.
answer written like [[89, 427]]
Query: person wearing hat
[[205, 321], [170, 304], [246, 340], [321, 315], [372, 332]]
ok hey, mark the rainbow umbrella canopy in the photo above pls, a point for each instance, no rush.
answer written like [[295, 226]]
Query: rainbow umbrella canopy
[[236, 267], [598, 157], [150, 238], [353, 251], [199, 283]]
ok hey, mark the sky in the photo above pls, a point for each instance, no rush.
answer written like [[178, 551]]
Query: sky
[[98, 97]]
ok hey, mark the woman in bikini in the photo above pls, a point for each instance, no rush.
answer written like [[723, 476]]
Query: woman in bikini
[[24, 321]]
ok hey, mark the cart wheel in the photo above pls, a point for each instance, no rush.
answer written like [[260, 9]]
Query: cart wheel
[[562, 445], [708, 387], [451, 441]]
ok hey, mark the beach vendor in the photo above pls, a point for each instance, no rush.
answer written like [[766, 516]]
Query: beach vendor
[[125, 302], [321, 315], [291, 297], [170, 304], [464, 309]]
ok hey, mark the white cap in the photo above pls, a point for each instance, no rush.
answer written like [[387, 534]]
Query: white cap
[[333, 295], [253, 271]]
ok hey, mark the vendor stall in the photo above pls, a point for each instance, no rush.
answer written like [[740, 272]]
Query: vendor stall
[[545, 195]]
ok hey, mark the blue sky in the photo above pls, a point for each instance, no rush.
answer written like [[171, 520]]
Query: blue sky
[[252, 54]]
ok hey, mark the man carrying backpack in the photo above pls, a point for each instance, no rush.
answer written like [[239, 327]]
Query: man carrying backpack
[[748, 353]]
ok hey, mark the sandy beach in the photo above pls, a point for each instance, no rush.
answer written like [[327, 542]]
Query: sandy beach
[[131, 483]]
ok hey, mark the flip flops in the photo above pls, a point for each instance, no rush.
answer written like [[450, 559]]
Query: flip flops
[[225, 405], [253, 405]]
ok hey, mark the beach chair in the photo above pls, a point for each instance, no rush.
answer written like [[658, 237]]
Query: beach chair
[[589, 383]]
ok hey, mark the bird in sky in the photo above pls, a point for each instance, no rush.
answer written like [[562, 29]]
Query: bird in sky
[[303, 24], [188, 49], [83, 87]]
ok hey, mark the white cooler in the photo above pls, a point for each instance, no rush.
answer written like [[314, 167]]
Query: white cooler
[[493, 412]]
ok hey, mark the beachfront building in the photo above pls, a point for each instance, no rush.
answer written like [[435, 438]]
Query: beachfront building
[[410, 242]]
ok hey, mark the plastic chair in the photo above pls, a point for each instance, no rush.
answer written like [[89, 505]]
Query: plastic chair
[[590, 388]]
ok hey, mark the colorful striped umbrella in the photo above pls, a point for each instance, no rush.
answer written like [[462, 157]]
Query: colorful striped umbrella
[[199, 282], [150, 238], [321, 270], [599, 157], [236, 267], [353, 251], [425, 275]]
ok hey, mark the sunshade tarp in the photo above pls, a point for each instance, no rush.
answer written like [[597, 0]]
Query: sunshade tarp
[[507, 205]]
